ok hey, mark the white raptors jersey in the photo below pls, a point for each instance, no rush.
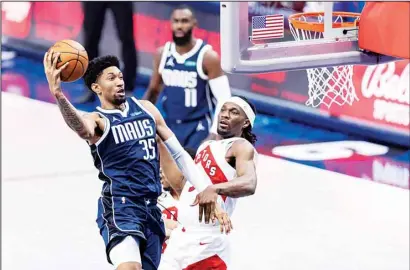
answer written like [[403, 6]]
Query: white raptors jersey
[[169, 209], [168, 206], [211, 162]]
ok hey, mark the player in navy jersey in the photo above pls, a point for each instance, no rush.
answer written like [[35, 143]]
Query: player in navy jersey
[[122, 138], [189, 73]]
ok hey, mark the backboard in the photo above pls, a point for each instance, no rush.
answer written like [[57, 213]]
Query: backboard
[[335, 47]]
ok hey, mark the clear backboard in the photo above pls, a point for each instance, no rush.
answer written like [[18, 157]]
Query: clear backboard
[[336, 45], [319, 37]]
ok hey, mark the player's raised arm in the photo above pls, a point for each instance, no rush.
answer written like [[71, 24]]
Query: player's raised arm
[[155, 84], [218, 83], [84, 126]]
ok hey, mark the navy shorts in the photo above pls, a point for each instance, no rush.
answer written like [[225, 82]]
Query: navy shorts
[[190, 133], [140, 218]]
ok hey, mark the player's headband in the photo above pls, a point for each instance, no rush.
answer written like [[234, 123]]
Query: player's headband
[[245, 107]]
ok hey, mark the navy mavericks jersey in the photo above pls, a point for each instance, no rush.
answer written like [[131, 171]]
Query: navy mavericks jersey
[[186, 94], [126, 155]]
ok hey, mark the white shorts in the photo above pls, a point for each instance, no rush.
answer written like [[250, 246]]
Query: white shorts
[[127, 250], [187, 249]]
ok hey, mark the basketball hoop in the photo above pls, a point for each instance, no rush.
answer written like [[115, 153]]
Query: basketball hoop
[[327, 85]]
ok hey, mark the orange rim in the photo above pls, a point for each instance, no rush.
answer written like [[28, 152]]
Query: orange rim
[[319, 26]]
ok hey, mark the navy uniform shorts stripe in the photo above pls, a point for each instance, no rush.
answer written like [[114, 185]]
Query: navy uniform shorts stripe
[[142, 221]]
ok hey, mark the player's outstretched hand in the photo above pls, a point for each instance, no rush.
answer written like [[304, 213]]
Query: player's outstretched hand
[[223, 218], [52, 72], [207, 201]]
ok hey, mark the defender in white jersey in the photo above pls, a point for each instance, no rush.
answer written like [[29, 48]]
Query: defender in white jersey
[[229, 164], [169, 199], [168, 205]]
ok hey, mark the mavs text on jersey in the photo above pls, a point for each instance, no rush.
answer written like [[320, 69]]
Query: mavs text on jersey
[[127, 158]]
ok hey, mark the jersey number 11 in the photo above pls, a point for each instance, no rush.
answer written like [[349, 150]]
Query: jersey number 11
[[190, 97]]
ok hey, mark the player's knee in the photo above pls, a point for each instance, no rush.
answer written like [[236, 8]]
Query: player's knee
[[126, 255], [129, 266]]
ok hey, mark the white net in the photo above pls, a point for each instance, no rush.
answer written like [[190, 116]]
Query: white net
[[326, 85]]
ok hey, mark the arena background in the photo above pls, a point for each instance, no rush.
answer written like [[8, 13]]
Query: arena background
[[381, 114], [315, 217]]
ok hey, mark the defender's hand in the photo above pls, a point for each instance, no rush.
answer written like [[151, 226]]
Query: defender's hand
[[52, 72], [207, 201], [223, 218]]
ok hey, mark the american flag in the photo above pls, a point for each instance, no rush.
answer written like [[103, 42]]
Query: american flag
[[267, 27]]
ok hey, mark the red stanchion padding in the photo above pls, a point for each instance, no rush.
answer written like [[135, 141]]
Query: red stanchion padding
[[385, 28]]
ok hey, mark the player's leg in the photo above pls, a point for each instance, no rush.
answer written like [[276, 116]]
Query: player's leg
[[122, 250], [152, 254], [94, 14], [126, 254], [129, 266], [123, 238], [123, 14], [155, 235]]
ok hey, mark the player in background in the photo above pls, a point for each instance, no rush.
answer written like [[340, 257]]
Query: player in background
[[230, 163], [122, 138], [189, 73]]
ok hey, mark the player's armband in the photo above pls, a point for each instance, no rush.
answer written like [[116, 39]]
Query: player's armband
[[186, 164]]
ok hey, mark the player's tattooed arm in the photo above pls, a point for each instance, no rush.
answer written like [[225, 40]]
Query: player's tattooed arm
[[83, 126], [245, 183]]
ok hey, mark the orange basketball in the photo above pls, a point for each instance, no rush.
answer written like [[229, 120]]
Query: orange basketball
[[73, 52]]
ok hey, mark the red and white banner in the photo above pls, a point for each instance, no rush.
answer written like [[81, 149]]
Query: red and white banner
[[16, 19], [384, 97]]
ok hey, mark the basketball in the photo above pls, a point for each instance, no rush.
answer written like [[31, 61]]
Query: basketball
[[73, 52]]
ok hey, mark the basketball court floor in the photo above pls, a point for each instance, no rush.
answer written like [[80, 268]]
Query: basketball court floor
[[303, 215]]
